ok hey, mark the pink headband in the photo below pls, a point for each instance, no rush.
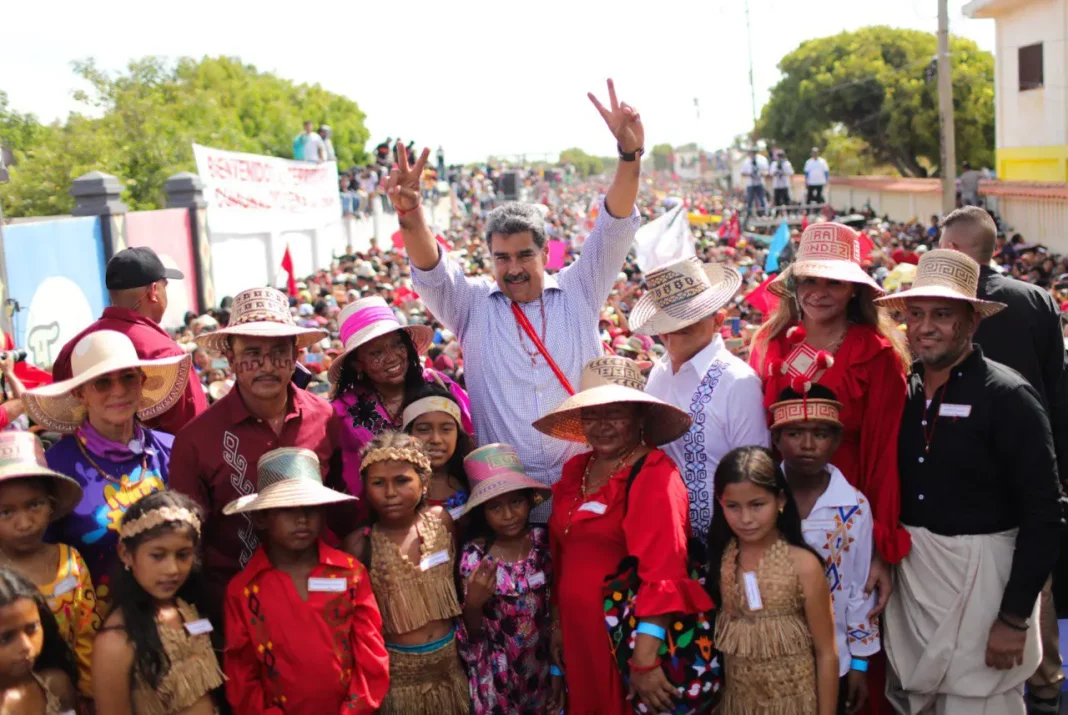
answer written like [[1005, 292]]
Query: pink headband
[[364, 318]]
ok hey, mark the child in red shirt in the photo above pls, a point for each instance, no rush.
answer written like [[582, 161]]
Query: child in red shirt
[[303, 631]]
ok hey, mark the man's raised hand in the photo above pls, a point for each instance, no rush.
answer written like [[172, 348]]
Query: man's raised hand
[[622, 119], [404, 186]]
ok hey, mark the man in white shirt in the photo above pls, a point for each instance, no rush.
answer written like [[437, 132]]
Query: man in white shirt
[[755, 170], [781, 171], [699, 375], [817, 174], [314, 148]]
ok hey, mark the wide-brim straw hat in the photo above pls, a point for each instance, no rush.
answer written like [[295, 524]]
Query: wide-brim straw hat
[[682, 293], [287, 477], [944, 273], [370, 318], [612, 380], [55, 407], [22, 457], [495, 469], [260, 313], [827, 250]]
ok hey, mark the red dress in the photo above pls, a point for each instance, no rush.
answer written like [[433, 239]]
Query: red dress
[[655, 530], [869, 382]]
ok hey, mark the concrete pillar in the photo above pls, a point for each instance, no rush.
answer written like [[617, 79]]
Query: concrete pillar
[[186, 191], [100, 194]]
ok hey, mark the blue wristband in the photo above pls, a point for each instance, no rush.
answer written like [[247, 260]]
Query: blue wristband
[[651, 629], [861, 666], [555, 672]]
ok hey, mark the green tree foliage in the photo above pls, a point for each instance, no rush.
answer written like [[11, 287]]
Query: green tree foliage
[[585, 164], [662, 157], [141, 124], [875, 85]]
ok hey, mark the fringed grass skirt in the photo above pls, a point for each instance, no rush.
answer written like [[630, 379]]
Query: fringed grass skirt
[[427, 680]]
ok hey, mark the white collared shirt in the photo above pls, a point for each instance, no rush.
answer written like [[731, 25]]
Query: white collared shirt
[[840, 529], [733, 417]]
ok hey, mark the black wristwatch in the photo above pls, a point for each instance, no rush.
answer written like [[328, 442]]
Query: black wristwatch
[[632, 156]]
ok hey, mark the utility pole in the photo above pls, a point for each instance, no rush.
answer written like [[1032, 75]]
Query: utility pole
[[752, 89], [945, 112]]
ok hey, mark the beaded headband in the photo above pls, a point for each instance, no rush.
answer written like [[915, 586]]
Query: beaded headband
[[156, 517], [393, 454], [431, 404]]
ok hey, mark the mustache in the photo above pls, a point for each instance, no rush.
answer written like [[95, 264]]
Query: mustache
[[521, 278]]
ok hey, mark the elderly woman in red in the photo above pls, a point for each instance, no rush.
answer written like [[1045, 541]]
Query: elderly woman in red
[[591, 530]]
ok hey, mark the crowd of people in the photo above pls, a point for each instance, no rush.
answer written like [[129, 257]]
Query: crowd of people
[[446, 479]]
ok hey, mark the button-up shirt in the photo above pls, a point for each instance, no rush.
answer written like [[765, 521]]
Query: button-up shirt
[[214, 462], [979, 460], [725, 399], [152, 343], [840, 529], [509, 388]]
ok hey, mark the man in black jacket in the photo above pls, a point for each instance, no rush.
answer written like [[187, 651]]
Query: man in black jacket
[[1027, 337]]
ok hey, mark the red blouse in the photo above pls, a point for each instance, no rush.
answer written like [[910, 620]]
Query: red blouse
[[655, 530], [869, 381], [285, 655]]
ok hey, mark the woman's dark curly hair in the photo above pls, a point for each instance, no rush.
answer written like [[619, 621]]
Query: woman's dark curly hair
[[55, 654], [465, 444], [350, 379], [137, 606]]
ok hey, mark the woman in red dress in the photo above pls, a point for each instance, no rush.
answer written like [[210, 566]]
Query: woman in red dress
[[827, 330], [591, 530]]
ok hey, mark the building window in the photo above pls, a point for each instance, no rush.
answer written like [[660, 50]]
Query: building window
[[1030, 61]]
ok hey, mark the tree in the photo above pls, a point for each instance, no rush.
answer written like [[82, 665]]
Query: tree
[[584, 164], [149, 117], [873, 84], [662, 157]]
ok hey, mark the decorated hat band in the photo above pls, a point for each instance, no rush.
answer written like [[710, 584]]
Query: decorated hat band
[[790, 412], [431, 404]]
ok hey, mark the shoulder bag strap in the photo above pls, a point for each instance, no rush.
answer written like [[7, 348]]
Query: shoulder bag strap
[[630, 480]]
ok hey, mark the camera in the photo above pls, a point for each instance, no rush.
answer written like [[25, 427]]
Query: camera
[[18, 355]]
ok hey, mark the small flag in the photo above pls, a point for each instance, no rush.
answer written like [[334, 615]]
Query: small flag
[[778, 242], [804, 221], [287, 266], [762, 299]]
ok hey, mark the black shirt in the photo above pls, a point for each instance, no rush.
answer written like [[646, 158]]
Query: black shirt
[[990, 471]]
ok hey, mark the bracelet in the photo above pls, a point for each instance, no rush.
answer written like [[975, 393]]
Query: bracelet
[[651, 629], [555, 672], [1013, 626], [401, 213], [634, 668], [859, 665]]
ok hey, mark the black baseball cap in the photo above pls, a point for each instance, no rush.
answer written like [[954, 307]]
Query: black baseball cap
[[137, 268]]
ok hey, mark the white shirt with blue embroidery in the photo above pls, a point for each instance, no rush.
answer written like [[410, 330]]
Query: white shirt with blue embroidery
[[725, 399]]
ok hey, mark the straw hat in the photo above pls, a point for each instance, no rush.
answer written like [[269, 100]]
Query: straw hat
[[944, 273], [682, 293], [494, 470], [611, 380], [105, 351], [370, 318], [287, 477], [793, 407], [22, 456], [260, 313], [827, 250]]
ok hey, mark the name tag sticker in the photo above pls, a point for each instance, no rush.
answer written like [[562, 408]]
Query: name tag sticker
[[327, 585], [818, 525], [456, 512], [430, 561], [594, 507], [950, 410], [65, 586], [752, 591], [536, 580], [198, 628]]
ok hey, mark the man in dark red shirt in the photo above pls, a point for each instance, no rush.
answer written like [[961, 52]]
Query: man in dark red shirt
[[215, 457], [137, 288]]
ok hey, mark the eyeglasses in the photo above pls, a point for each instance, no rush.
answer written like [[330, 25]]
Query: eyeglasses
[[129, 380]]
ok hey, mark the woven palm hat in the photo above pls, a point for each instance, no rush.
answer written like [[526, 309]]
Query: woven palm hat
[[370, 318], [97, 354], [495, 469], [260, 313], [827, 250], [944, 273], [682, 293], [287, 477], [788, 412], [22, 457], [610, 380]]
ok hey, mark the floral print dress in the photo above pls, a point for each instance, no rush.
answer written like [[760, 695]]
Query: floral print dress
[[508, 666]]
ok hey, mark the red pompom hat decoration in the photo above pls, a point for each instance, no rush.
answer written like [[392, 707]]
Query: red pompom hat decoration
[[800, 385], [824, 360], [796, 335]]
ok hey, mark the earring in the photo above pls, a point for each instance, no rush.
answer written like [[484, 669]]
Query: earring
[[782, 509], [126, 566]]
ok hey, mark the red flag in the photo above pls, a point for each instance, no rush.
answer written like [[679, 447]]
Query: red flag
[[762, 299], [736, 231], [724, 229], [866, 246], [804, 222], [398, 241], [287, 266]]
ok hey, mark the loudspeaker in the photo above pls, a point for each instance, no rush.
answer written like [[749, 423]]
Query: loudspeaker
[[509, 186]]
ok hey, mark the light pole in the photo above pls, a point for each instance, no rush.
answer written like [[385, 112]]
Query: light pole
[[945, 112]]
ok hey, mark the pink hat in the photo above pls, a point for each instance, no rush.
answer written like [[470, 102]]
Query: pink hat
[[827, 250], [494, 470], [370, 318]]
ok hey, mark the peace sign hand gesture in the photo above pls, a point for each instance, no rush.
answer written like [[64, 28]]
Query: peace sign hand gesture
[[403, 186], [623, 120]]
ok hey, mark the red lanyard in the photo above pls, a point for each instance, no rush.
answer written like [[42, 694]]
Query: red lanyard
[[521, 319]]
